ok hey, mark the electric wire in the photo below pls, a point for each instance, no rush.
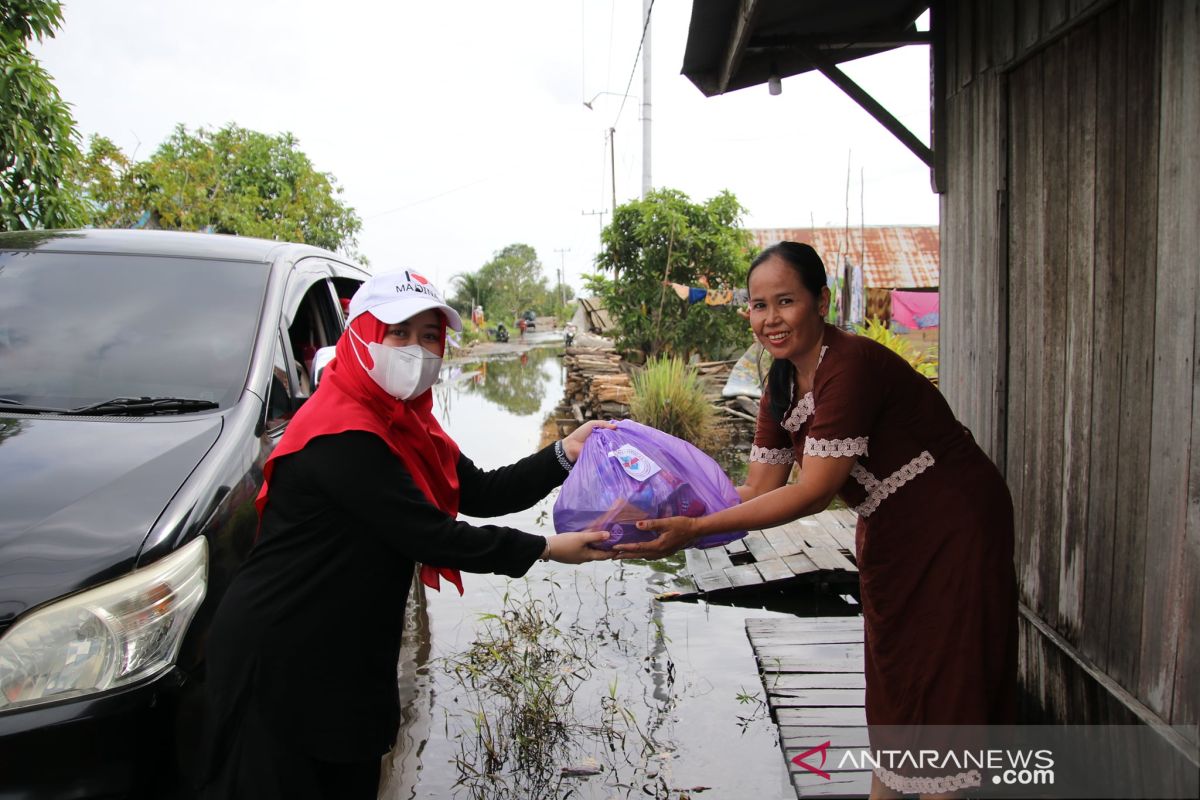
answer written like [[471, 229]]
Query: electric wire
[[636, 57]]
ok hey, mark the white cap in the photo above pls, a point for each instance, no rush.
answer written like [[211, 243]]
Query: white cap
[[395, 296]]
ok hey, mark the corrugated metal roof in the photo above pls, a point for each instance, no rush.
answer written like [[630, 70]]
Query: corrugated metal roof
[[892, 256]]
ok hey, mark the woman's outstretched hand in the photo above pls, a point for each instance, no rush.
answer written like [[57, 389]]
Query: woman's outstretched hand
[[572, 548], [574, 443], [674, 534]]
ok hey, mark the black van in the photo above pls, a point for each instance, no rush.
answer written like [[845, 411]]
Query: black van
[[144, 378]]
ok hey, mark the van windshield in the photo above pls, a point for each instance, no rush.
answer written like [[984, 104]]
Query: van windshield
[[82, 328]]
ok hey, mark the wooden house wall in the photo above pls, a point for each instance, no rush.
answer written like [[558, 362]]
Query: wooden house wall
[[1070, 281]]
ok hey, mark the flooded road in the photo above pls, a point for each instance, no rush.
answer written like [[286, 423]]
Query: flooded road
[[656, 699]]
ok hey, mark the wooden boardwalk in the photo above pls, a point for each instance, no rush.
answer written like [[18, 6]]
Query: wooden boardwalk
[[818, 549], [812, 671]]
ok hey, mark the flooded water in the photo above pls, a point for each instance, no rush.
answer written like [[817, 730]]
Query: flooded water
[[656, 699]]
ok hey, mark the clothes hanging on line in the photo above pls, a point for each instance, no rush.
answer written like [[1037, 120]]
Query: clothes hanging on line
[[915, 310], [710, 297]]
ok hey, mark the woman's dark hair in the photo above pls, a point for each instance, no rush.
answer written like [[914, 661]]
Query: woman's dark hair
[[811, 270]]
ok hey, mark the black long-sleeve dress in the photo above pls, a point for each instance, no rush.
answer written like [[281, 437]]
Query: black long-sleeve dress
[[302, 655]]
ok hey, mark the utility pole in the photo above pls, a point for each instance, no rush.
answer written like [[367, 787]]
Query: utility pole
[[562, 272], [612, 165], [646, 4]]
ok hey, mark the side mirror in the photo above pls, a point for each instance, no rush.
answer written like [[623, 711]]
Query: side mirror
[[321, 360]]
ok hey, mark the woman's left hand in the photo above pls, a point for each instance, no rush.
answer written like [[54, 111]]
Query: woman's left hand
[[674, 534], [574, 443]]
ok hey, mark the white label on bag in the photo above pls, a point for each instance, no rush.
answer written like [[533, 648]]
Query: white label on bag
[[634, 462]]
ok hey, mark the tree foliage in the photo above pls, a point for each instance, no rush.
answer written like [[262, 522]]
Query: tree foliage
[[701, 240], [104, 175], [470, 290], [515, 275], [231, 180], [39, 145]]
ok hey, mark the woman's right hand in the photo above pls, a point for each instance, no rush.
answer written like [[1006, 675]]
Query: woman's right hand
[[572, 548]]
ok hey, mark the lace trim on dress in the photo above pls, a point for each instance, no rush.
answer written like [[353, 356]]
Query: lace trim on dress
[[800, 413], [833, 448], [879, 490], [947, 783], [767, 455], [805, 408]]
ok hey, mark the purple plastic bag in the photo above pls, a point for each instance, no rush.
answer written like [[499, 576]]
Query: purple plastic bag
[[638, 472]]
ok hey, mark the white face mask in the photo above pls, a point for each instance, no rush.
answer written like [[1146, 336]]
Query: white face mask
[[402, 372]]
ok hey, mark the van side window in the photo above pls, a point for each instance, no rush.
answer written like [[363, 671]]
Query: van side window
[[316, 324], [279, 396]]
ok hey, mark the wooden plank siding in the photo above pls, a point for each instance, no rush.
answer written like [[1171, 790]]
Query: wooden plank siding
[[1079, 296], [1070, 288], [1170, 645], [1137, 344], [1107, 311]]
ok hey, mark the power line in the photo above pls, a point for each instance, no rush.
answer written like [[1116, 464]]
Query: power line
[[636, 56], [429, 199]]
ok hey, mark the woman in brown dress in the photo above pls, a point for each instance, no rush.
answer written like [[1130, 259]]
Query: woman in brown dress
[[934, 539]]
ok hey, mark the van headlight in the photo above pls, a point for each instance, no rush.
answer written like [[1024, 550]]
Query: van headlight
[[109, 636]]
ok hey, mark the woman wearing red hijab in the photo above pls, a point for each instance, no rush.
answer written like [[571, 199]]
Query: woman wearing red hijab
[[302, 695]]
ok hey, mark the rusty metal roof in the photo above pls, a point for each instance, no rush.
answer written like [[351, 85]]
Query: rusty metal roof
[[892, 256]]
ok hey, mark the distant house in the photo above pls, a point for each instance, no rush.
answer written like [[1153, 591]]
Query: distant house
[[591, 316], [867, 263]]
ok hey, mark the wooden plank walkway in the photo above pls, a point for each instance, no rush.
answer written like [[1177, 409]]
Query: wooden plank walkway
[[812, 671], [816, 549]]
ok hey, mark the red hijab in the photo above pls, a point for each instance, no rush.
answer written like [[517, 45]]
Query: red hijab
[[347, 399]]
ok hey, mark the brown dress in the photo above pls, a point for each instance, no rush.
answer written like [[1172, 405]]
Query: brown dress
[[934, 537]]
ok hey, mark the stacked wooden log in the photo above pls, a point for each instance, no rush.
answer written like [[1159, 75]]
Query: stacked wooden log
[[597, 386], [713, 375]]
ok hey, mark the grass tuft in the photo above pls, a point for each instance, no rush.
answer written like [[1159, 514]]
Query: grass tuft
[[668, 395]]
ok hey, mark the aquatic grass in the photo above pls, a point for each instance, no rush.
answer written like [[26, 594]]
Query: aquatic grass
[[668, 395], [518, 681], [523, 733]]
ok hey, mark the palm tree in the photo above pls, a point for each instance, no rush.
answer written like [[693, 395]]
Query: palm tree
[[471, 290]]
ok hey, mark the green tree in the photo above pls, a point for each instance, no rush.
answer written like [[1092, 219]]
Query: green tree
[[516, 276], [39, 145], [471, 289], [104, 175], [231, 180], [557, 300], [701, 240]]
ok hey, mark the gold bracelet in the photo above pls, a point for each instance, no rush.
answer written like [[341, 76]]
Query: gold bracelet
[[546, 552]]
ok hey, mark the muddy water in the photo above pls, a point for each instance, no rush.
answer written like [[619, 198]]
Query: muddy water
[[655, 711]]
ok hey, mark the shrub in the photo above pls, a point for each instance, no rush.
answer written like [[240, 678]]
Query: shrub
[[925, 363], [668, 395]]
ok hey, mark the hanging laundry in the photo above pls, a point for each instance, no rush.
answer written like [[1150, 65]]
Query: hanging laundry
[[711, 297], [719, 297], [915, 310]]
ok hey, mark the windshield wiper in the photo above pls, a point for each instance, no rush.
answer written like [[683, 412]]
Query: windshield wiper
[[25, 408], [136, 406]]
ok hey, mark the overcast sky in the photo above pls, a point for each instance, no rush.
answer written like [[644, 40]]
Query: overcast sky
[[456, 128]]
